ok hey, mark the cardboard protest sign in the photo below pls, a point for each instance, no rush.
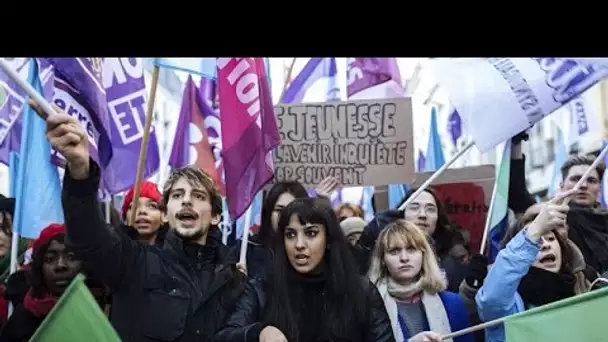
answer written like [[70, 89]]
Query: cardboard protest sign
[[500, 97], [360, 142], [466, 194]]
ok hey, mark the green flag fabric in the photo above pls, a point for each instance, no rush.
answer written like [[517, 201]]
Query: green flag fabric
[[579, 318], [76, 317]]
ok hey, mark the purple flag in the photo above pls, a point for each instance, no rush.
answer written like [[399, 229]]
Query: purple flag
[[73, 102], [321, 71], [179, 151], [455, 127], [12, 100], [213, 125], [126, 100], [108, 96], [421, 161], [191, 145], [366, 73]]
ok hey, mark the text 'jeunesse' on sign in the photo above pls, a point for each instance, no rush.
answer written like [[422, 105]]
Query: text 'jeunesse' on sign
[[367, 142]]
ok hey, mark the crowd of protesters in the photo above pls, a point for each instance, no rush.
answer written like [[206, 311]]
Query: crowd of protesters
[[312, 272]]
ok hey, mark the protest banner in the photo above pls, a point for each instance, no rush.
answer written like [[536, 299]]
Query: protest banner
[[466, 194], [500, 97], [364, 142]]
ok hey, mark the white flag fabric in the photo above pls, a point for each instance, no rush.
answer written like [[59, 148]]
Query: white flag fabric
[[583, 118], [499, 97]]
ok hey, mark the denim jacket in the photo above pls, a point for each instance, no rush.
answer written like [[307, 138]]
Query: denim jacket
[[498, 296]]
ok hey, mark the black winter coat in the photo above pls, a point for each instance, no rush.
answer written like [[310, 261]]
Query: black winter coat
[[245, 323], [258, 256], [171, 293], [21, 326]]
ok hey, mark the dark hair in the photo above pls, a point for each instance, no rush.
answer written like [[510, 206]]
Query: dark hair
[[446, 233], [344, 292], [575, 160], [35, 276], [195, 176], [527, 218], [266, 233], [6, 226]]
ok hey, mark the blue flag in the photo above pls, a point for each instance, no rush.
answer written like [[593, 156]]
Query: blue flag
[[499, 216], [37, 189], [434, 151], [13, 169]]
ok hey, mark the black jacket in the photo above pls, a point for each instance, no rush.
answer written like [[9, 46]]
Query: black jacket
[[258, 256], [244, 324], [169, 293], [21, 326]]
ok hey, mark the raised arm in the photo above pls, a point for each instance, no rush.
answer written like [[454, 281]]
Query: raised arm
[[111, 255], [519, 197]]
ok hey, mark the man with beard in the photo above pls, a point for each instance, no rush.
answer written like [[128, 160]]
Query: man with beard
[[181, 291], [587, 220]]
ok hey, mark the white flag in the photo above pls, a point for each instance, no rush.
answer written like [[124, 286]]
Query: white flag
[[499, 97]]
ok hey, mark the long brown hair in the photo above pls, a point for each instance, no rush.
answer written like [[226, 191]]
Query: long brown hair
[[523, 221]]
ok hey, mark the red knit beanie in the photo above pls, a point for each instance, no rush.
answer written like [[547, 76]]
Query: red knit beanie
[[46, 235], [148, 190]]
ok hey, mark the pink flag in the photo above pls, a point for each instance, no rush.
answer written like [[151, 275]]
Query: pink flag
[[249, 129]]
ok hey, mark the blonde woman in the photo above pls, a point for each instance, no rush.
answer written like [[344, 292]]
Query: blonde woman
[[406, 272]]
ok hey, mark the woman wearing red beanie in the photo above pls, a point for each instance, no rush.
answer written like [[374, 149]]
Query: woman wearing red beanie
[[53, 267], [148, 226]]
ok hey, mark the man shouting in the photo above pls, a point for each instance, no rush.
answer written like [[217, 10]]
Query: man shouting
[[179, 292]]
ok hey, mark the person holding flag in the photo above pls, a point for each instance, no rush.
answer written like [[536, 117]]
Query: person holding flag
[[533, 269], [180, 292]]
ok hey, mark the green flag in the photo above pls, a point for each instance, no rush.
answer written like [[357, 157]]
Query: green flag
[[579, 318], [76, 317]]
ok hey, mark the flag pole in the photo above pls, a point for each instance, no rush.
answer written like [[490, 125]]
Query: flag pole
[[143, 152], [486, 228], [29, 90], [592, 167], [436, 175], [245, 237], [286, 84], [474, 328], [108, 211]]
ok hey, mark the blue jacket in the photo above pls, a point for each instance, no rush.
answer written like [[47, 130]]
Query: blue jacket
[[498, 296]]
